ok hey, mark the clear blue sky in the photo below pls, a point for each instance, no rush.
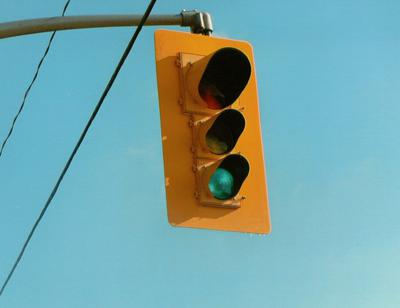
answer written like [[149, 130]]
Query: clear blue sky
[[329, 78]]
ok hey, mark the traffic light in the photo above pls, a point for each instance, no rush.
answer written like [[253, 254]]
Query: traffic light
[[212, 146]]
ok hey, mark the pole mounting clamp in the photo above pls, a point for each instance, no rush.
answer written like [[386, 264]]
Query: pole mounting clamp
[[199, 22]]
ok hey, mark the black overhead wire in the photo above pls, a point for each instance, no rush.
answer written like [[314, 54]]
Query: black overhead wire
[[31, 84], [83, 134]]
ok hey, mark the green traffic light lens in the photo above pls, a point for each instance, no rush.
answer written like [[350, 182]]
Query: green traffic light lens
[[228, 177], [221, 184]]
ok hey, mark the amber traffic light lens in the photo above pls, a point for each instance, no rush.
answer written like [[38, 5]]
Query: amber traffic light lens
[[222, 136], [224, 78], [227, 179]]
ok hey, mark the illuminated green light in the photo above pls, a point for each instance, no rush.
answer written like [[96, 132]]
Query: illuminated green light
[[221, 184]]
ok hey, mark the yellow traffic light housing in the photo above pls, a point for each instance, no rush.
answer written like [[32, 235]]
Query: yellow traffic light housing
[[212, 146]]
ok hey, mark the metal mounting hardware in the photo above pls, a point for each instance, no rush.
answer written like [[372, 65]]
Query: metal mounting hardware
[[199, 22]]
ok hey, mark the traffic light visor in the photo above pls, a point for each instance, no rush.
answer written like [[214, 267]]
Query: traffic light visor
[[222, 136], [227, 179], [225, 77]]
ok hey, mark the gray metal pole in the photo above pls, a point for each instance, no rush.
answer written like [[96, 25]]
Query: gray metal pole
[[200, 22]]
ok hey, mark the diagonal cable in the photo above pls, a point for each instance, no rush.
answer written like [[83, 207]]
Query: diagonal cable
[[31, 84], [79, 142]]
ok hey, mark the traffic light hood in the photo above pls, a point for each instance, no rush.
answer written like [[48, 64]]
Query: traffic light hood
[[219, 78]]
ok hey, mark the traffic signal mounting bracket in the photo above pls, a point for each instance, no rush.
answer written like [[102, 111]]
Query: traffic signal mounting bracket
[[199, 22]]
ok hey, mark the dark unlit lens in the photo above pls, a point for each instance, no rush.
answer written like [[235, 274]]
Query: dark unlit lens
[[219, 142], [222, 136]]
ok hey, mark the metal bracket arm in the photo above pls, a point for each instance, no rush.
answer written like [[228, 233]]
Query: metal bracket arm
[[199, 22]]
